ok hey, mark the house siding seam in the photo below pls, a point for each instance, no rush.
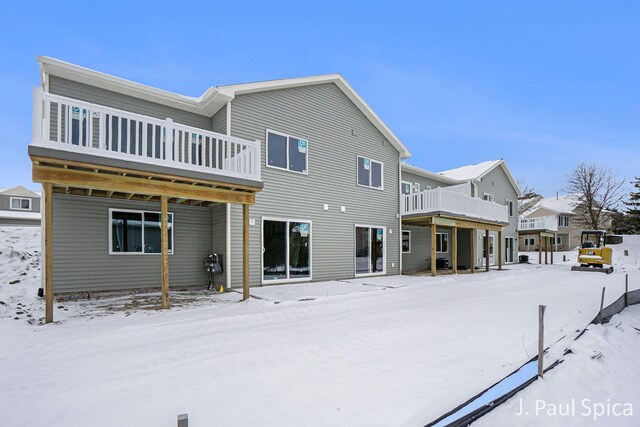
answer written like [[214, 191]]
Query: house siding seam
[[324, 116], [81, 260]]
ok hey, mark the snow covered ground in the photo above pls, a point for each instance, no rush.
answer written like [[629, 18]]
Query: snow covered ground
[[383, 351]]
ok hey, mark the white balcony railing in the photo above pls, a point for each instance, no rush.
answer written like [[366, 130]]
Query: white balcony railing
[[548, 222], [77, 126], [441, 200]]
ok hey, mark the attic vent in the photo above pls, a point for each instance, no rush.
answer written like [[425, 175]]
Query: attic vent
[[353, 132]]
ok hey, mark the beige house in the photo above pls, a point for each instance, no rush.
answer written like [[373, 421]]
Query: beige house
[[554, 217]]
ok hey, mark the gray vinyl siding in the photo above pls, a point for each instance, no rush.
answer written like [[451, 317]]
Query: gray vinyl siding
[[5, 203], [421, 248], [19, 222], [95, 95], [324, 116], [412, 178], [81, 260], [219, 236], [219, 121], [497, 183]]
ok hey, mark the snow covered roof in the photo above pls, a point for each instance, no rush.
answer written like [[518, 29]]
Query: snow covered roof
[[19, 215], [427, 174], [565, 204], [476, 172], [19, 191]]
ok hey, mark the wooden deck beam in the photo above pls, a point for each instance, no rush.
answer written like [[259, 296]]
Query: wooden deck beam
[[165, 251], [500, 250], [487, 246], [454, 250], [433, 249], [245, 252], [48, 253]]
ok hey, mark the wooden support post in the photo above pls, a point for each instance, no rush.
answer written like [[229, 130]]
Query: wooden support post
[[454, 249], [487, 246], [499, 250], [541, 310], [539, 248], [48, 252], [433, 249], [553, 247], [626, 289], [165, 250], [546, 250], [245, 252], [473, 249], [601, 306]]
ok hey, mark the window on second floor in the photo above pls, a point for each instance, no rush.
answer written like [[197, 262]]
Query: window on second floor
[[488, 197], [416, 187], [563, 221], [287, 152], [370, 173], [406, 187], [20, 204]]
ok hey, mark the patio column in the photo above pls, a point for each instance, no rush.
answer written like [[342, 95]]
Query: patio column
[[454, 248], [473, 250], [48, 252], [245, 252], [433, 249], [546, 249], [165, 250], [555, 239], [500, 250], [486, 248], [539, 248]]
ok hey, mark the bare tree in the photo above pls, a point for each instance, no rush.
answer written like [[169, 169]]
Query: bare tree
[[528, 191], [598, 191]]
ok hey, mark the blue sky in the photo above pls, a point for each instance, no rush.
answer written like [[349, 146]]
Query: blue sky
[[541, 84]]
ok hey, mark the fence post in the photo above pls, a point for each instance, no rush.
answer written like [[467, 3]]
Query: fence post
[[183, 420], [601, 306], [541, 309], [626, 290]]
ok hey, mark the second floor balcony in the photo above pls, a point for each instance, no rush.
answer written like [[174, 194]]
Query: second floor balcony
[[542, 223], [73, 126], [442, 201]]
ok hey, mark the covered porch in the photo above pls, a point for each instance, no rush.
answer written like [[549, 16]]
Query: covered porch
[[545, 230], [461, 245]]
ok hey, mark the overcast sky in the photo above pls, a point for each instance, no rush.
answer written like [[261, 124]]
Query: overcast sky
[[543, 85]]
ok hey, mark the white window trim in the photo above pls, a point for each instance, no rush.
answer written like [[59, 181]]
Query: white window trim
[[511, 210], [416, 187], [288, 279], [563, 220], [513, 248], [401, 240], [11, 199], [173, 240], [384, 251], [370, 171], [410, 187], [266, 138], [491, 198], [445, 234], [474, 189], [492, 247]]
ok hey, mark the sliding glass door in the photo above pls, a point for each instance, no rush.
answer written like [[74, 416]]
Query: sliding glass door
[[370, 250], [286, 250]]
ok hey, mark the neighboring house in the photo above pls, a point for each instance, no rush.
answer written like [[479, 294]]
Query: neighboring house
[[448, 215], [555, 216], [290, 180], [19, 207]]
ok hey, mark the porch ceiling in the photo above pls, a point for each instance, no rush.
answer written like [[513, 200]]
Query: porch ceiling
[[450, 221], [542, 233], [86, 179]]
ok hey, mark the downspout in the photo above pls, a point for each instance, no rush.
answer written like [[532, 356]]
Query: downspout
[[400, 210], [227, 261]]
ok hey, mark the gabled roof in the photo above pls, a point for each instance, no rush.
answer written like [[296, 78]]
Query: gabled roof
[[565, 204], [214, 98], [19, 191], [478, 171]]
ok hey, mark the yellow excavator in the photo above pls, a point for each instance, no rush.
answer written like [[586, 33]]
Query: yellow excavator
[[593, 254]]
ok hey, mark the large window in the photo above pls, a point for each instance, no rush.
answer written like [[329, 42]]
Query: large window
[[369, 173], [406, 242], [563, 221], [510, 206], [286, 250], [137, 232], [442, 242], [484, 248], [370, 251], [287, 152], [20, 204]]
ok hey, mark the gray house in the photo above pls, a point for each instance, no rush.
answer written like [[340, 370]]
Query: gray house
[[290, 180], [459, 219], [19, 207]]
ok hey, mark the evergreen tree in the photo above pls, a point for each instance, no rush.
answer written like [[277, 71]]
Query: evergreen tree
[[633, 209]]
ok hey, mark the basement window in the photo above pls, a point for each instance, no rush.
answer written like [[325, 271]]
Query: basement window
[[137, 232]]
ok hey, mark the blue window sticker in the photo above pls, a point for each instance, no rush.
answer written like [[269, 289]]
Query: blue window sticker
[[304, 229], [380, 233], [367, 164], [302, 145]]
